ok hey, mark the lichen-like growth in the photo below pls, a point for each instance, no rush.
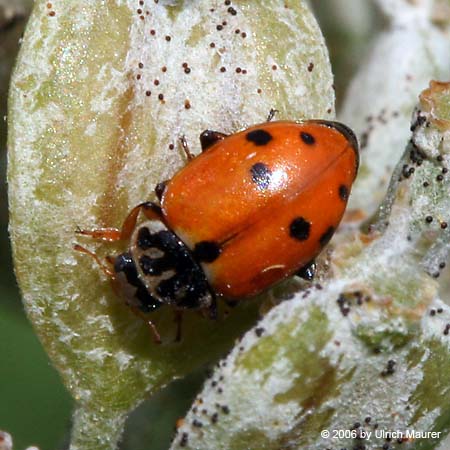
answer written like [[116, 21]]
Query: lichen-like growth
[[412, 50]]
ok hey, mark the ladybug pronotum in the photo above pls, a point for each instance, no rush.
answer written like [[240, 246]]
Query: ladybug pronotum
[[254, 208]]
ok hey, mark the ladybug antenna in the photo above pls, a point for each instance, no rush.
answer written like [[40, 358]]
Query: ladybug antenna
[[105, 269]]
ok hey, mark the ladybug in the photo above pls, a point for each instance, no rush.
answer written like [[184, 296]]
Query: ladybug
[[254, 208]]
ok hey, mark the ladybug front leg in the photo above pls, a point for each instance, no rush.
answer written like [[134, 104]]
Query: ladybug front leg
[[150, 210], [208, 138], [105, 234], [178, 320]]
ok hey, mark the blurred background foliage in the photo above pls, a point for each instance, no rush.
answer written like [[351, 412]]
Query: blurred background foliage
[[34, 405]]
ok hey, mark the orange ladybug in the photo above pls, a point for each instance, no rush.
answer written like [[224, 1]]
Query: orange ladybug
[[253, 209]]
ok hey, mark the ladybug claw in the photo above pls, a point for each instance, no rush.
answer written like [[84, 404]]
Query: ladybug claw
[[213, 309], [185, 147], [272, 113]]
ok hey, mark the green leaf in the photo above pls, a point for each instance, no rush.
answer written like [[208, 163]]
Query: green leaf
[[99, 98]]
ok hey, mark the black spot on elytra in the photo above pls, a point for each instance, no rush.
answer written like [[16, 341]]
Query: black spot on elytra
[[299, 229], [261, 175], [307, 138], [259, 137], [325, 238], [207, 251], [343, 192]]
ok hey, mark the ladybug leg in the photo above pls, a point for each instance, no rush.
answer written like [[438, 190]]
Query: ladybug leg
[[147, 321], [271, 115], [105, 234], [105, 269], [160, 188], [184, 145], [179, 320], [110, 259], [208, 138], [212, 309], [232, 303], [150, 210], [308, 271]]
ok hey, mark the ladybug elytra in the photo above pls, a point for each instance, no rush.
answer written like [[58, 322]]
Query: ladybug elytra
[[254, 208]]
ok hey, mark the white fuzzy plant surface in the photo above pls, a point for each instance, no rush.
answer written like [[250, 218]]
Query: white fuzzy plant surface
[[101, 93], [410, 51]]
